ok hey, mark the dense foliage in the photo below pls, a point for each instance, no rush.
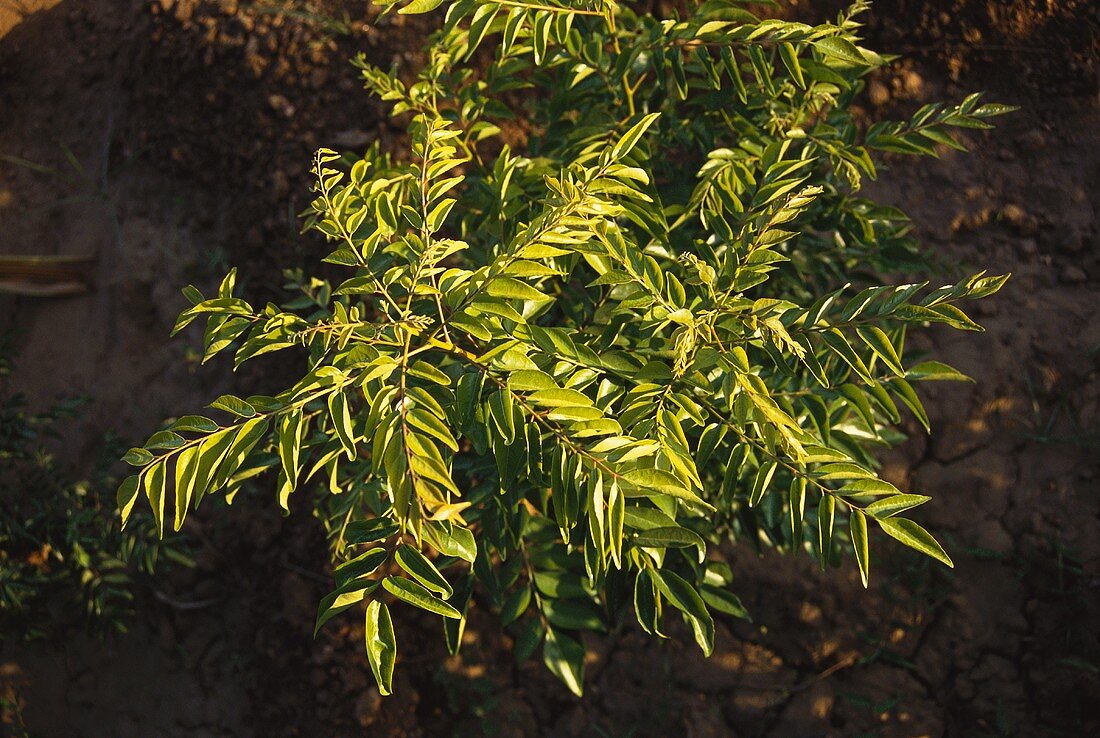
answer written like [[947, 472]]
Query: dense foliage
[[622, 303], [64, 563]]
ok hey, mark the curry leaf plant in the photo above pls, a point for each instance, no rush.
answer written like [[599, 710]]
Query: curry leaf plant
[[620, 303]]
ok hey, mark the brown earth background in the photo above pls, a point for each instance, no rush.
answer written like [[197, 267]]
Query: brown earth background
[[195, 121]]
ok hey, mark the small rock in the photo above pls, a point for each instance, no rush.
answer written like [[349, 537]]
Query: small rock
[[1073, 274], [878, 93], [912, 83], [281, 105], [184, 10], [1019, 219]]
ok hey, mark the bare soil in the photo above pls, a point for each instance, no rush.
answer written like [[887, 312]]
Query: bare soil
[[192, 123]]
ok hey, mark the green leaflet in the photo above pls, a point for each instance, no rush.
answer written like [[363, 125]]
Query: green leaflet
[[724, 601], [154, 492], [290, 445], [564, 656], [905, 392], [880, 344], [796, 509], [646, 482], [894, 504], [560, 398], [826, 514], [762, 481], [646, 603], [531, 380], [672, 537], [452, 628], [915, 537], [684, 598], [138, 457], [127, 495], [511, 288], [416, 595], [857, 527], [194, 424], [433, 426], [424, 370], [560, 584], [237, 451], [381, 645], [422, 570], [840, 48], [164, 440], [341, 422], [633, 135], [369, 531], [341, 600], [574, 614], [451, 540], [233, 405], [187, 462], [515, 605], [644, 518], [362, 565], [212, 451], [935, 370]]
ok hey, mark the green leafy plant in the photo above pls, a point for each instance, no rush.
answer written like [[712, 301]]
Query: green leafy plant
[[622, 303], [63, 560]]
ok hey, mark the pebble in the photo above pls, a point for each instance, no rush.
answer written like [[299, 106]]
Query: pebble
[[1019, 219], [281, 105], [911, 82], [878, 93]]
